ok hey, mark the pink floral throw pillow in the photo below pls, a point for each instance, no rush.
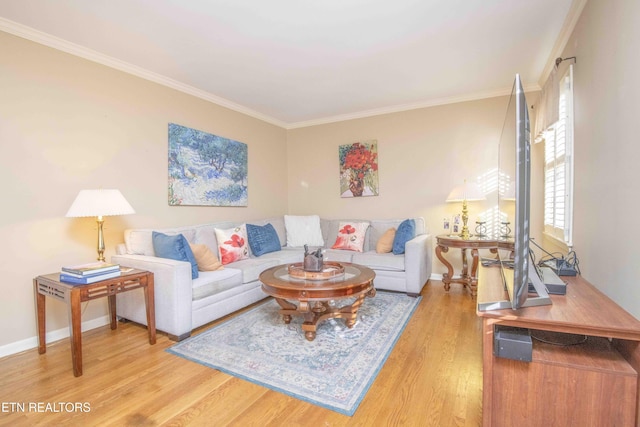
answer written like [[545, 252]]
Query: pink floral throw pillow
[[232, 244], [351, 236]]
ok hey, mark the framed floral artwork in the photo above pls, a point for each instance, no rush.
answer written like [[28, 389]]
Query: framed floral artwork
[[206, 169], [359, 169]]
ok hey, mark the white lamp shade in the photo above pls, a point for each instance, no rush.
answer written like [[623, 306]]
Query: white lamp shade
[[99, 203], [467, 191]]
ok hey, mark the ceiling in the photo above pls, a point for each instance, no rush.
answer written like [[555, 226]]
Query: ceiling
[[299, 62]]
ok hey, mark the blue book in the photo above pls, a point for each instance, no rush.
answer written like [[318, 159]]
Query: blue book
[[83, 276], [91, 269], [89, 279]]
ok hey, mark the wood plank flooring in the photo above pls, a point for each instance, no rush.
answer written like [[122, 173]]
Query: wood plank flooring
[[433, 377]]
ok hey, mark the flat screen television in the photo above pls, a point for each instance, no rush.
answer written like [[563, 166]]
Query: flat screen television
[[515, 162]]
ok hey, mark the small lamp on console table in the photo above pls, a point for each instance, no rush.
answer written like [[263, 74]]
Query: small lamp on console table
[[464, 193], [99, 203]]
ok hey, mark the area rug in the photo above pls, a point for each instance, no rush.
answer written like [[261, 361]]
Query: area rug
[[333, 371]]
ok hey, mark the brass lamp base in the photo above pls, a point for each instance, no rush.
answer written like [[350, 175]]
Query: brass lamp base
[[464, 234], [100, 239]]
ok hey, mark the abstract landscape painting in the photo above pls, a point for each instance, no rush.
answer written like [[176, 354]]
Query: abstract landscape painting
[[206, 169]]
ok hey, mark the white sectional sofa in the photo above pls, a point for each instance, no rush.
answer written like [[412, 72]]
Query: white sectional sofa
[[183, 303]]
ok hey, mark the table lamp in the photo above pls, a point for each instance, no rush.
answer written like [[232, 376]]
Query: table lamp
[[465, 193], [99, 203]]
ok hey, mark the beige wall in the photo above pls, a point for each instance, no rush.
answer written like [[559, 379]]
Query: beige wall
[[606, 42], [68, 124], [423, 154]]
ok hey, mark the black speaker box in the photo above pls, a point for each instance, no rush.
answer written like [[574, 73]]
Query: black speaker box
[[512, 343]]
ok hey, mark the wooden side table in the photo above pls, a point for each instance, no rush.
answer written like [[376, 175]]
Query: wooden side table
[[467, 278], [49, 285]]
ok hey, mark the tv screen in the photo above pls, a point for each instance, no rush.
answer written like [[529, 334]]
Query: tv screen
[[520, 289], [515, 171]]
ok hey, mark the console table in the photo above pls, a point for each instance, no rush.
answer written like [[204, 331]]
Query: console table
[[590, 384], [49, 285], [467, 278]]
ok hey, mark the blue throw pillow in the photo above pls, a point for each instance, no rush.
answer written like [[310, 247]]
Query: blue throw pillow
[[263, 239], [406, 231], [174, 247]]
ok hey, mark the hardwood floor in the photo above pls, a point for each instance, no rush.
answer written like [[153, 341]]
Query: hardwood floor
[[433, 377]]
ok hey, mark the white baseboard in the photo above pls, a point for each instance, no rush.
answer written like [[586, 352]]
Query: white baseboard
[[59, 334], [435, 276]]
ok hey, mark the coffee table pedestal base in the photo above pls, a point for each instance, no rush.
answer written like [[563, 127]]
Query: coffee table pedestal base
[[314, 312]]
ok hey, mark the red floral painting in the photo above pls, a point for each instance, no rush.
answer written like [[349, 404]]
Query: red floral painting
[[359, 169]]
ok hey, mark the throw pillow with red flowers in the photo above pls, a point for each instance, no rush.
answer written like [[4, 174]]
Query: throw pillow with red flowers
[[351, 236], [232, 244]]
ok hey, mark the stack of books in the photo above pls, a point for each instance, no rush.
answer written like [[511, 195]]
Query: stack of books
[[89, 273]]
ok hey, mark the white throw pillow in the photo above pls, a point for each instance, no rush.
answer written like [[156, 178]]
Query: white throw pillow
[[303, 230]]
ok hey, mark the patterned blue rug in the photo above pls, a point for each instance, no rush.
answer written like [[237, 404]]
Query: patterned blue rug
[[333, 371]]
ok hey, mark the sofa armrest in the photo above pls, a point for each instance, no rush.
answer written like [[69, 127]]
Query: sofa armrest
[[418, 262], [121, 249], [173, 293]]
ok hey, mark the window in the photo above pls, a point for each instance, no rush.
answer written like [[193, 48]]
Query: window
[[558, 166]]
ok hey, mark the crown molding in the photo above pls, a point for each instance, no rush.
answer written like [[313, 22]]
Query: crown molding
[[43, 38], [411, 106]]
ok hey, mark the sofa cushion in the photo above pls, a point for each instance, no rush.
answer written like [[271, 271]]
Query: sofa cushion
[[384, 262], [232, 244], [213, 282], [262, 239], [379, 226], [303, 230], [385, 242], [338, 255], [174, 247], [205, 259], [405, 232], [252, 267], [206, 235], [140, 242], [351, 236], [278, 225], [285, 256]]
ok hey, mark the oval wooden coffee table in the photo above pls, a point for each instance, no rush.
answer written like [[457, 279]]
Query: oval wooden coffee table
[[316, 298]]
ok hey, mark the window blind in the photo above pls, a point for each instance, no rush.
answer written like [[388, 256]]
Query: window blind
[[558, 159]]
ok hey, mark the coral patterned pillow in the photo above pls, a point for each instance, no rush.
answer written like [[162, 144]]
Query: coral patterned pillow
[[351, 236], [232, 244]]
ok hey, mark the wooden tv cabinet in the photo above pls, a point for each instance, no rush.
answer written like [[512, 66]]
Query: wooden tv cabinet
[[589, 384]]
